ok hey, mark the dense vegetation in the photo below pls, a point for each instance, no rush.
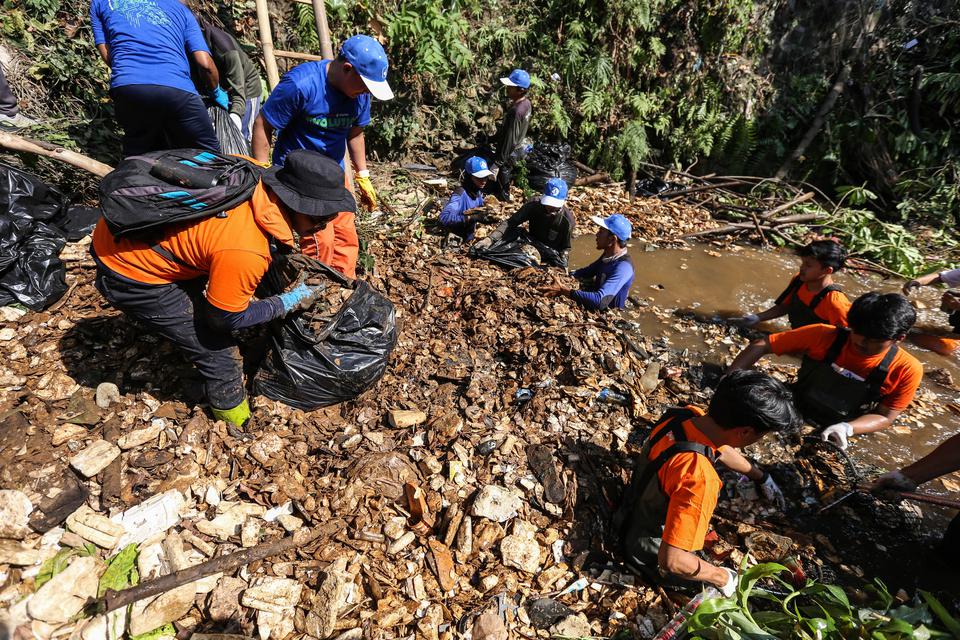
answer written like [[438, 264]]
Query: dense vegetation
[[730, 86]]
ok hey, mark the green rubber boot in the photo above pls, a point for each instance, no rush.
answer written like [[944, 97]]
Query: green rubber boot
[[237, 416]]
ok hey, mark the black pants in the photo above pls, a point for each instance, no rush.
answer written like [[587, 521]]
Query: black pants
[[175, 312], [8, 101], [155, 117]]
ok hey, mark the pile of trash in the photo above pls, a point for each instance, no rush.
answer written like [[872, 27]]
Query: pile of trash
[[468, 492]]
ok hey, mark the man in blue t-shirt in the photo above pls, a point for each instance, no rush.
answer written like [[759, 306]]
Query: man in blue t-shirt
[[324, 106], [145, 44], [606, 281]]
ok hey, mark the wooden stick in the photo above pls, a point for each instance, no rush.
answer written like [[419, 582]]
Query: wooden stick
[[583, 167], [37, 147], [597, 177], [323, 30], [113, 600], [296, 55], [756, 223], [787, 205], [707, 187], [930, 499], [740, 226], [266, 43]]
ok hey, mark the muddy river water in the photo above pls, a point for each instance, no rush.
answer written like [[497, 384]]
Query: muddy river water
[[715, 281]]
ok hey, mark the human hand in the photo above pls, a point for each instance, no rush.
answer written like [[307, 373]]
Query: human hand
[[220, 98], [237, 121], [950, 301], [771, 492], [748, 320], [483, 244], [554, 291], [368, 196], [730, 586], [839, 433], [892, 481], [298, 298]]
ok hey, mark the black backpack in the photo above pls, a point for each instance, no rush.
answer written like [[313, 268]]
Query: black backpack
[[150, 191]]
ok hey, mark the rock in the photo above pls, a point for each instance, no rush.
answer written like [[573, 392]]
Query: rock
[[650, 378], [489, 626], [18, 553], [289, 523], [575, 626], [105, 627], [95, 528], [107, 393], [225, 599], [329, 600], [274, 599], [56, 385], [486, 535], [545, 611], [395, 527], [15, 510], [64, 595], [157, 560], [139, 437], [95, 458], [7, 334], [401, 419], [496, 503], [266, 447], [520, 550]]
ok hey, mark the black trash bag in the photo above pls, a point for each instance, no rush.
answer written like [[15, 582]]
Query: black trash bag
[[517, 249], [651, 187], [79, 222], [547, 161], [308, 371], [231, 139], [31, 211]]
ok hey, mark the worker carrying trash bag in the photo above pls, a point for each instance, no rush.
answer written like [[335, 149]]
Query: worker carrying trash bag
[[666, 511], [548, 219], [239, 77], [193, 281], [607, 280], [851, 380]]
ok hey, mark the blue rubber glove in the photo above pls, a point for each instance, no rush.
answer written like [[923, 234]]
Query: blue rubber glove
[[300, 297], [220, 97]]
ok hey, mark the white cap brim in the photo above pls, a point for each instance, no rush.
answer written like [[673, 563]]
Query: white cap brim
[[379, 90], [509, 82], [483, 173], [550, 201], [597, 220]]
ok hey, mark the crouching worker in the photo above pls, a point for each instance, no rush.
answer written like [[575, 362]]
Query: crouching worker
[[674, 487], [606, 281], [811, 297], [463, 210], [549, 220], [851, 380], [194, 283]]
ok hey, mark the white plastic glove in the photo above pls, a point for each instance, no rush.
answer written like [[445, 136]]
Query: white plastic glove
[[730, 587], [839, 433], [771, 492], [748, 320], [894, 481], [237, 121]]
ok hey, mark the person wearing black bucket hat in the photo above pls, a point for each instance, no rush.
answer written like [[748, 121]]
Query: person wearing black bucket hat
[[194, 284]]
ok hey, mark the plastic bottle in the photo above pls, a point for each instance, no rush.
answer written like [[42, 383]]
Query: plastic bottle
[[612, 397], [672, 628]]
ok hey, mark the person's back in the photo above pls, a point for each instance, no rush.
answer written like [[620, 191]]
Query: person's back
[[148, 41]]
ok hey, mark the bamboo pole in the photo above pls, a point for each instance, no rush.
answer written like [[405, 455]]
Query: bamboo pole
[[323, 30], [296, 55], [266, 43], [19, 143]]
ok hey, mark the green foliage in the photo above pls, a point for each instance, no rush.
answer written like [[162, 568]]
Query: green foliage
[[813, 611], [121, 571], [890, 244], [59, 562]]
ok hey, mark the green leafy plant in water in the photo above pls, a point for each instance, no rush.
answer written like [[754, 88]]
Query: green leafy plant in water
[[814, 611], [891, 244]]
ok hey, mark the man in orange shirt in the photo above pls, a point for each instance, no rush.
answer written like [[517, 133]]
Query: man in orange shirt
[[195, 283], [674, 488], [811, 297], [854, 380]]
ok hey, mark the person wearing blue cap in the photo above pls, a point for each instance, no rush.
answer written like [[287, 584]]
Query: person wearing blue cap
[[463, 210], [511, 132], [146, 44], [606, 282], [548, 219], [324, 106]]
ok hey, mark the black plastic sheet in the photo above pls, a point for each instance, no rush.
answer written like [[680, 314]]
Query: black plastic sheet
[[309, 371], [231, 140], [31, 238], [547, 161], [518, 249]]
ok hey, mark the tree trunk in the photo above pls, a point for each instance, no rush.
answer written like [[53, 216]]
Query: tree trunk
[[266, 43]]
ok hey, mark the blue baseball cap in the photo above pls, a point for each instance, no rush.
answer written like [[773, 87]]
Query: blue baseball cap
[[517, 78], [615, 224], [477, 167], [370, 60], [555, 193]]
